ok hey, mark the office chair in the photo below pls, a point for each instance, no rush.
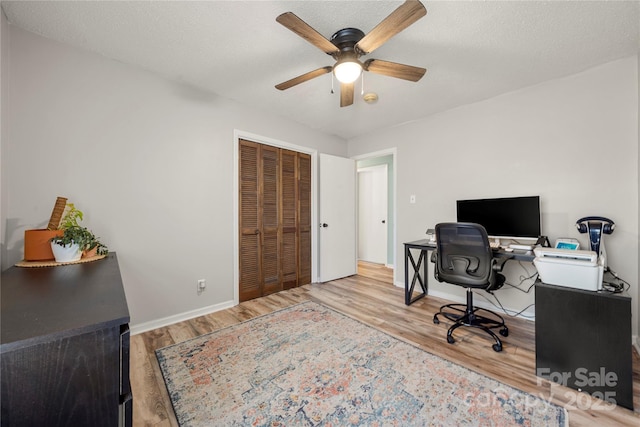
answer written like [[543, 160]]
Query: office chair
[[463, 257]]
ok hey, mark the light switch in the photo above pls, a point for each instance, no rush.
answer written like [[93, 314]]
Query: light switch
[[412, 198]]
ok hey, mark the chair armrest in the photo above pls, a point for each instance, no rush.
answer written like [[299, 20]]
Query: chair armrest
[[498, 264]]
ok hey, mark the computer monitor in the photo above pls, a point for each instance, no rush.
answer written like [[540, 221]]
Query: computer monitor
[[509, 217]]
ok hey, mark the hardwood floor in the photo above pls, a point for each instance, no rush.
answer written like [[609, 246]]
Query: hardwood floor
[[370, 298]]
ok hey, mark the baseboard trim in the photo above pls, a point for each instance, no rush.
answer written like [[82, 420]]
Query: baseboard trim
[[527, 315], [170, 320]]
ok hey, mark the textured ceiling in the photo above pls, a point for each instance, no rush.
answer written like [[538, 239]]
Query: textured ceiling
[[472, 50]]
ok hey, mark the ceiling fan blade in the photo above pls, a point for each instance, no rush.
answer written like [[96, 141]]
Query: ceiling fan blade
[[393, 69], [304, 77], [346, 94], [406, 14], [304, 30]]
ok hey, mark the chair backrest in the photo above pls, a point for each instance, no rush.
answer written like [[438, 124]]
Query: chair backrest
[[464, 256]]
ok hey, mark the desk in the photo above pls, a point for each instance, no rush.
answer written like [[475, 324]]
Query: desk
[[422, 248]]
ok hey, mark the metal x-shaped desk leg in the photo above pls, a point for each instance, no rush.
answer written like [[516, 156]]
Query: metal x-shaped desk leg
[[408, 290]]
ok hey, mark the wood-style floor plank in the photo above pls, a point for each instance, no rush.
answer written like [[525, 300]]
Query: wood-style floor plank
[[370, 298]]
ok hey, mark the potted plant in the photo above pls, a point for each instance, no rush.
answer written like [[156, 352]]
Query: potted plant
[[90, 245], [66, 248], [76, 241]]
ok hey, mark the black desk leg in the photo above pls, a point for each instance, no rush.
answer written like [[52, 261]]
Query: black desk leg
[[408, 289]]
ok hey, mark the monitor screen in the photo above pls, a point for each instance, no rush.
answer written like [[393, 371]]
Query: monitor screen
[[504, 217]]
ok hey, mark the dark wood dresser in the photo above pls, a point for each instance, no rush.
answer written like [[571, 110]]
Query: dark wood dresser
[[64, 346]]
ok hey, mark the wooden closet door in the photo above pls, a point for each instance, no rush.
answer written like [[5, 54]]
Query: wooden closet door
[[250, 252], [270, 219], [275, 219], [289, 219], [304, 219]]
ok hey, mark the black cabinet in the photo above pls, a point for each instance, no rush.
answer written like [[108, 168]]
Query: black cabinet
[[65, 346], [583, 341]]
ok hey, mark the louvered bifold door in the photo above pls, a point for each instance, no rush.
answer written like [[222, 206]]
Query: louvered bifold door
[[304, 219], [275, 219], [289, 219], [270, 219], [250, 282]]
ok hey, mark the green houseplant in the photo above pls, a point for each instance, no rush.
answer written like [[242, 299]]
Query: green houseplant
[[76, 241], [66, 248], [71, 217]]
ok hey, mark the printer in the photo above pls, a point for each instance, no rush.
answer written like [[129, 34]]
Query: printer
[[576, 268], [572, 268]]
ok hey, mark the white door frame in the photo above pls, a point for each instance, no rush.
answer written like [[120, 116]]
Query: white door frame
[[237, 136], [393, 152]]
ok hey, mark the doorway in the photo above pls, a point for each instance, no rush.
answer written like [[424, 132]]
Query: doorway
[[372, 160], [372, 217]]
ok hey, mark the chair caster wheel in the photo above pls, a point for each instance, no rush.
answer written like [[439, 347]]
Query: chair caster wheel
[[504, 332], [497, 348], [450, 339], [436, 320]]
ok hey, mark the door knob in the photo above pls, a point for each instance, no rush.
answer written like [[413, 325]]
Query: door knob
[[324, 225]]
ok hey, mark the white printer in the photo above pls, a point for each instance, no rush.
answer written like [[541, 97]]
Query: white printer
[[576, 268], [571, 268]]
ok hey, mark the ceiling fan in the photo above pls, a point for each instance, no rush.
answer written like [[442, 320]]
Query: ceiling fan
[[347, 45]]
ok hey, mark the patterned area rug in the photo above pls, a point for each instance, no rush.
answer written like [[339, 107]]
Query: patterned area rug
[[308, 365]]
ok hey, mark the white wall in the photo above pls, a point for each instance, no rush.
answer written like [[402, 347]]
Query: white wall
[[573, 141], [149, 161]]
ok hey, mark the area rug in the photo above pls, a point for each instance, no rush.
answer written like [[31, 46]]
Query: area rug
[[308, 365]]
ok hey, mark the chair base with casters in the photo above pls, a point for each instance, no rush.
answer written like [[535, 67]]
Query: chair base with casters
[[468, 315]]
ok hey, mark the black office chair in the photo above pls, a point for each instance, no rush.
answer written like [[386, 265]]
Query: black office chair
[[463, 257]]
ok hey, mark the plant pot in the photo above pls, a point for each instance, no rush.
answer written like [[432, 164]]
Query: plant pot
[[90, 253], [37, 244], [68, 253]]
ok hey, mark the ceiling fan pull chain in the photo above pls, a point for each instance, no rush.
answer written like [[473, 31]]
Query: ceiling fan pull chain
[[332, 92], [362, 86]]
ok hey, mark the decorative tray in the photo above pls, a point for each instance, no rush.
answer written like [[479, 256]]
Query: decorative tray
[[24, 263]]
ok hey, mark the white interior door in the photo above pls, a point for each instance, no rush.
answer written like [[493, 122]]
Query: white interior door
[[372, 214], [337, 234]]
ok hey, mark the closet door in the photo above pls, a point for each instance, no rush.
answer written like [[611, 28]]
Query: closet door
[[250, 252], [275, 219], [289, 219], [269, 222], [304, 219]]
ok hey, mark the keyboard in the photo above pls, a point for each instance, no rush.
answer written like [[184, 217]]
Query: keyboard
[[521, 247]]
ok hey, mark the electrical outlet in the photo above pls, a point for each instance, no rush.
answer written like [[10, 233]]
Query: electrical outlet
[[202, 285]]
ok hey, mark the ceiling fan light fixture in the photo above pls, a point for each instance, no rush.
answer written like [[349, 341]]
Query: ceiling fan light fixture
[[347, 71]]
